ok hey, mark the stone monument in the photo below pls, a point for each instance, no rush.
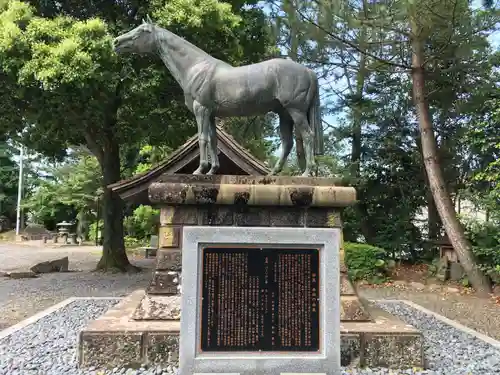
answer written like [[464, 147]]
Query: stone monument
[[249, 276], [144, 328]]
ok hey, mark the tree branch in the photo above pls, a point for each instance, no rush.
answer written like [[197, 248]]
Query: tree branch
[[93, 146], [447, 43], [350, 44]]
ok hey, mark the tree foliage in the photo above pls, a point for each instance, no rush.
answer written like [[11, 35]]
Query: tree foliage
[[483, 180], [66, 191], [387, 116], [59, 74], [72, 89]]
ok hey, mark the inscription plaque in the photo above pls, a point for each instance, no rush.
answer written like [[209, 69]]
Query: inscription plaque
[[260, 299]]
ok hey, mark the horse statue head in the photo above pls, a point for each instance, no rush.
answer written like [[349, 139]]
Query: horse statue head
[[139, 40]]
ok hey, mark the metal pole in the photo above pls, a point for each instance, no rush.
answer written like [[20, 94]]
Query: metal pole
[[19, 191]]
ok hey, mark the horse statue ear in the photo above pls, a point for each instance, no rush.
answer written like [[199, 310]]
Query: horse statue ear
[[143, 21], [149, 19]]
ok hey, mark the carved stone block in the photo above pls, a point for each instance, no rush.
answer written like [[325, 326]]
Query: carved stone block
[[110, 350], [287, 217], [162, 348], [166, 215], [252, 217], [158, 307], [164, 282], [169, 260], [319, 217], [221, 216], [393, 351], [169, 236], [179, 215], [185, 215], [350, 349]]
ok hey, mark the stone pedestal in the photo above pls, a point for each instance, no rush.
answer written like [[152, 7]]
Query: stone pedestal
[[368, 336]]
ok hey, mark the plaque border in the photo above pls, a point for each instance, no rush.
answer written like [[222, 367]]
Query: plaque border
[[327, 360], [249, 246]]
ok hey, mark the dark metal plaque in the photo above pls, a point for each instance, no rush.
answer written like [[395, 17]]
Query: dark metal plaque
[[260, 299]]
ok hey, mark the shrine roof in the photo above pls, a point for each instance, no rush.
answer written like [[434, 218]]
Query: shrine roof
[[234, 160]]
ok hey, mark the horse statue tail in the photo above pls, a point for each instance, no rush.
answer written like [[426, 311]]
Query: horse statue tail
[[314, 118]]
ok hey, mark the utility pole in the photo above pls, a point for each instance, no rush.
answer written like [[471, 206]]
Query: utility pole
[[19, 191]]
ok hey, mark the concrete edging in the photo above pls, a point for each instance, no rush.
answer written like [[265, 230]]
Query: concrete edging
[[52, 309], [453, 323]]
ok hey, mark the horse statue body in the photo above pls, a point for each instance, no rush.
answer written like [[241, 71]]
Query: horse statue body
[[213, 88]]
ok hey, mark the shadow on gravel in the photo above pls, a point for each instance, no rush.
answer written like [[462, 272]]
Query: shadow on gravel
[[24, 297]]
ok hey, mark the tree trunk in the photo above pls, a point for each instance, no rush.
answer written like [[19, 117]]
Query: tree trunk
[[294, 42], [114, 256], [433, 222], [356, 143], [442, 199]]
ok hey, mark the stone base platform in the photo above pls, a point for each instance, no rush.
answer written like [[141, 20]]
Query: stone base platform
[[116, 339], [159, 308]]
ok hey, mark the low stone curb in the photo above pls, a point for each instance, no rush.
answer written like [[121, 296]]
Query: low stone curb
[[453, 323], [420, 287], [32, 319]]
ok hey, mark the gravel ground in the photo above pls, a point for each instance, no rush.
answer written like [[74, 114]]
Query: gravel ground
[[22, 298], [479, 314], [22, 256], [48, 347], [449, 351]]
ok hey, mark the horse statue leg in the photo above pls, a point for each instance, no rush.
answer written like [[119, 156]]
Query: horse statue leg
[[212, 146], [286, 135], [302, 125], [301, 156], [202, 119]]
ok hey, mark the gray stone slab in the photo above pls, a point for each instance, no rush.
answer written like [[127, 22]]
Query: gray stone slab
[[325, 361]]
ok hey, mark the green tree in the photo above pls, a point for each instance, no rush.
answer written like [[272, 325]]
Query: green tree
[[484, 141], [429, 27], [254, 133], [67, 191], [77, 91]]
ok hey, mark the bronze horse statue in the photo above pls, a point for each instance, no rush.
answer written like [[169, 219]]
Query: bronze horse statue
[[213, 88]]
